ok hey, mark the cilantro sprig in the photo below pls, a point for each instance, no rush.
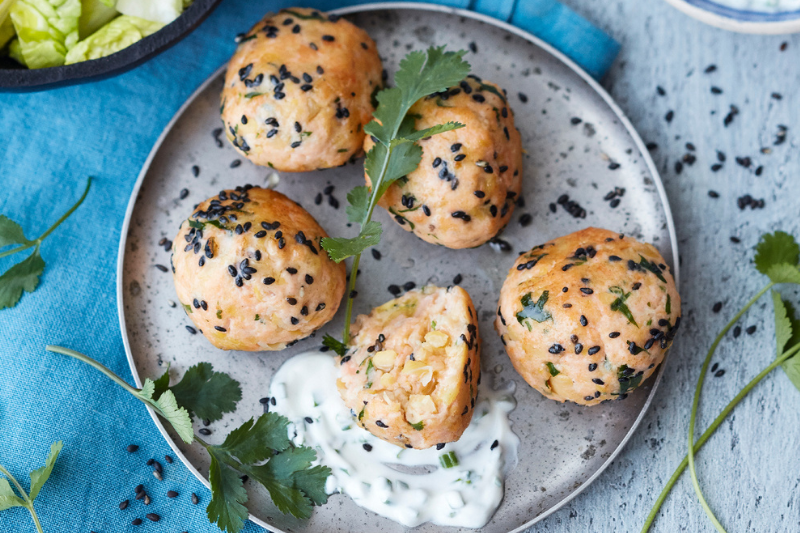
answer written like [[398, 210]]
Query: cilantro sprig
[[777, 257], [394, 154], [260, 448], [24, 276], [9, 498]]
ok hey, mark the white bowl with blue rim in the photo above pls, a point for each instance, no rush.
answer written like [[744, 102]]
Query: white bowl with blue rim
[[745, 16]]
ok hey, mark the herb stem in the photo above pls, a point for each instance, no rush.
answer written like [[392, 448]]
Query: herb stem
[[696, 403], [710, 431], [91, 362], [373, 201], [28, 502], [52, 228]]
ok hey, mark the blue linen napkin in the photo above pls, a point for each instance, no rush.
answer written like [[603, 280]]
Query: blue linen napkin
[[52, 141]]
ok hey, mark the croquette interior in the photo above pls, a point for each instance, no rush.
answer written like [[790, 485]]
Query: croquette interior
[[412, 367]]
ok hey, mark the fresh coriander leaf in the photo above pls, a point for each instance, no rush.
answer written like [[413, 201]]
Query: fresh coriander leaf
[[147, 389], [161, 384], [783, 325], [177, 416], [228, 495], [552, 369], [358, 198], [340, 248], [293, 484], [23, 276], [792, 365], [422, 74], [334, 344], [419, 426], [312, 482], [11, 232], [776, 248], [40, 476], [255, 442], [784, 273], [207, 394], [435, 130], [8, 498], [403, 160]]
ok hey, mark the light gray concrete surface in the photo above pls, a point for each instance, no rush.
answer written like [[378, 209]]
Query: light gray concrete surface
[[749, 469]]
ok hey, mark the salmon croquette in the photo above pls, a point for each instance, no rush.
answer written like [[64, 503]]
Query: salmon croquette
[[464, 191], [411, 375], [589, 316], [250, 272], [299, 90]]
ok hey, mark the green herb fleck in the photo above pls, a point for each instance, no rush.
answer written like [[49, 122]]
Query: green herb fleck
[[418, 426], [553, 370], [620, 305], [628, 381], [652, 267], [668, 307], [448, 460], [253, 95], [535, 311]]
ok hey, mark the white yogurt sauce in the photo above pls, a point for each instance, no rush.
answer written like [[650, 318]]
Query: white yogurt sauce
[[408, 486], [768, 6]]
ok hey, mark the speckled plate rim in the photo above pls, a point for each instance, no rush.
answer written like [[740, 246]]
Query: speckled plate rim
[[461, 13], [773, 27]]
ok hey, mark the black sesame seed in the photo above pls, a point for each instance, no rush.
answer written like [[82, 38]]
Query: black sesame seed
[[586, 290], [204, 431], [191, 330], [409, 285], [320, 307], [220, 328], [556, 348], [328, 38], [583, 320], [455, 147], [380, 424], [295, 321], [153, 517], [717, 307], [614, 334], [269, 281], [525, 220], [750, 330], [172, 494], [367, 446], [523, 98], [137, 522]]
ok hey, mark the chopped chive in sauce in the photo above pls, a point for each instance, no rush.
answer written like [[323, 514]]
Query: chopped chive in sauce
[[448, 460]]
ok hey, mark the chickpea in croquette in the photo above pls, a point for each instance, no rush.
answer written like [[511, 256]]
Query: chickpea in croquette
[[464, 190], [589, 316], [299, 89], [411, 375], [250, 272]]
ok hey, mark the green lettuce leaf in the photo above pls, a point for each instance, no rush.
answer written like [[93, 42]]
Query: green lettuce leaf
[[163, 11], [94, 15], [120, 33], [46, 30]]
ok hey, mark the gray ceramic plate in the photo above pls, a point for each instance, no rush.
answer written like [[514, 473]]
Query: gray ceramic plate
[[564, 447]]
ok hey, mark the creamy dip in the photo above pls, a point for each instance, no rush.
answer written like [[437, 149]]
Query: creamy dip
[[458, 485], [768, 6]]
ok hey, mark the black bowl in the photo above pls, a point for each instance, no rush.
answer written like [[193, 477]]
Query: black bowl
[[16, 78]]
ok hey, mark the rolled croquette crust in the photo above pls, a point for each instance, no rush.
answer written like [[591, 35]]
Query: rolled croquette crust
[[411, 376], [464, 191], [589, 316], [250, 273], [298, 91]]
